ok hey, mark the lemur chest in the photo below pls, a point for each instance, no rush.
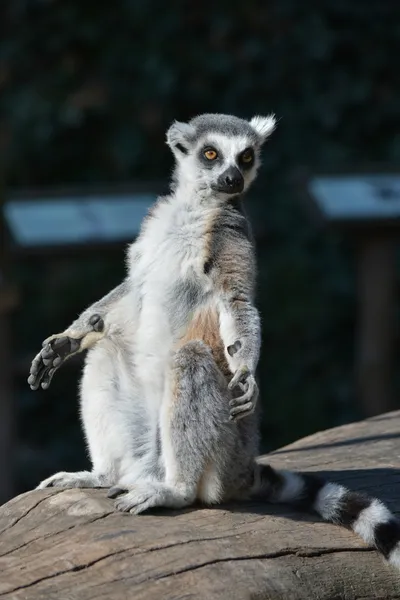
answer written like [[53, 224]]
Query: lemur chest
[[174, 281], [174, 252]]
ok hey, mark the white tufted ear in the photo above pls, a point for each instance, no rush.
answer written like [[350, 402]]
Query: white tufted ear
[[263, 126], [178, 135]]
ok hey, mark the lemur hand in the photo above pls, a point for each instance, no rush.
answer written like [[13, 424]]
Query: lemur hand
[[243, 405], [57, 348]]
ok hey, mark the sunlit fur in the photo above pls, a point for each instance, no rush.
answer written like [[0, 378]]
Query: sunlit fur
[[164, 420]]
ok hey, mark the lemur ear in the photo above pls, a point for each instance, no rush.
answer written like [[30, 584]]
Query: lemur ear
[[178, 137], [263, 126]]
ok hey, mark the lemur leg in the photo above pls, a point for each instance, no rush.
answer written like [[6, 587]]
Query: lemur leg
[[81, 335], [197, 436], [96, 388], [112, 417]]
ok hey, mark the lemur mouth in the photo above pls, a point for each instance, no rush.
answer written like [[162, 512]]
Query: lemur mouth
[[228, 190]]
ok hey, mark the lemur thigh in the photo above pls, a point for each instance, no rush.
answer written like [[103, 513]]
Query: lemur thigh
[[197, 438], [89, 328], [104, 397], [109, 421]]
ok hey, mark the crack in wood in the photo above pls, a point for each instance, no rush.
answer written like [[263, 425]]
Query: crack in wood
[[55, 533], [299, 552], [18, 519]]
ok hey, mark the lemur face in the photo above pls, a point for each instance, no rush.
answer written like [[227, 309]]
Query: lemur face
[[219, 153]]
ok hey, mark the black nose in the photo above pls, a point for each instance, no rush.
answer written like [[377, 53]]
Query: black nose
[[231, 181], [234, 181]]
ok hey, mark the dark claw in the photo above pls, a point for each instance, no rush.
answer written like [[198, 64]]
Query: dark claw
[[97, 323], [115, 491]]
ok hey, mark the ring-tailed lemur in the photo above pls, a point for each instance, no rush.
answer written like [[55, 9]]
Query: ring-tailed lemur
[[169, 391]]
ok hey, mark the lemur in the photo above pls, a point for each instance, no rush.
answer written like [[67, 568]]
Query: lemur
[[168, 393]]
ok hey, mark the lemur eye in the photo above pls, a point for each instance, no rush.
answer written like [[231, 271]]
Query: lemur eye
[[210, 154], [247, 156]]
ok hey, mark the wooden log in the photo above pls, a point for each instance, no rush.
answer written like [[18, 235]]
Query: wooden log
[[72, 545]]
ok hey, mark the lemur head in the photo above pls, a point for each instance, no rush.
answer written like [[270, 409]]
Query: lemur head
[[218, 154]]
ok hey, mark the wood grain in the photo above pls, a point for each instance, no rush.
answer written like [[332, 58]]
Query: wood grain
[[72, 545]]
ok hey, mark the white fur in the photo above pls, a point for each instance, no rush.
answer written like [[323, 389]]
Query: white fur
[[210, 487], [171, 247], [292, 488], [264, 126], [229, 333], [371, 516], [328, 501], [394, 556], [63, 479], [177, 132]]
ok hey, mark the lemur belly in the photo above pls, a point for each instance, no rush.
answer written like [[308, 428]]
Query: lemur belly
[[204, 326]]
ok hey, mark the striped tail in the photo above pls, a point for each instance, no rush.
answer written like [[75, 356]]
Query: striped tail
[[366, 516]]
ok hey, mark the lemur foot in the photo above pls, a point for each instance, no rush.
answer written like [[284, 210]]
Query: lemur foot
[[81, 479], [243, 405], [57, 348], [143, 496]]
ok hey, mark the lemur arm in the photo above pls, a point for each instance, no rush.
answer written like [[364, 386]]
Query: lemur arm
[[91, 326], [240, 332], [239, 320]]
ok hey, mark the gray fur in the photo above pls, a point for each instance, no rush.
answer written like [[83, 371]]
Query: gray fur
[[226, 125], [182, 299]]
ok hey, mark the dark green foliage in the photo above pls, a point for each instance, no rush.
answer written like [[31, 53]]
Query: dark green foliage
[[87, 90]]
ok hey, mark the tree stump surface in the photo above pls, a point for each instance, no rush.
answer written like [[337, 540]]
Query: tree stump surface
[[72, 545]]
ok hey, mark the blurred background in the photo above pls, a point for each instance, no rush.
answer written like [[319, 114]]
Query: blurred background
[[87, 90]]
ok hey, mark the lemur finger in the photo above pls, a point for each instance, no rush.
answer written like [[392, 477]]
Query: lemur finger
[[116, 491], [34, 379], [36, 364], [42, 378], [58, 350], [250, 393], [240, 376], [47, 379], [36, 372], [55, 350], [241, 411]]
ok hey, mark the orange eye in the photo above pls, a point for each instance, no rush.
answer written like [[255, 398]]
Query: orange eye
[[210, 154], [247, 156]]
